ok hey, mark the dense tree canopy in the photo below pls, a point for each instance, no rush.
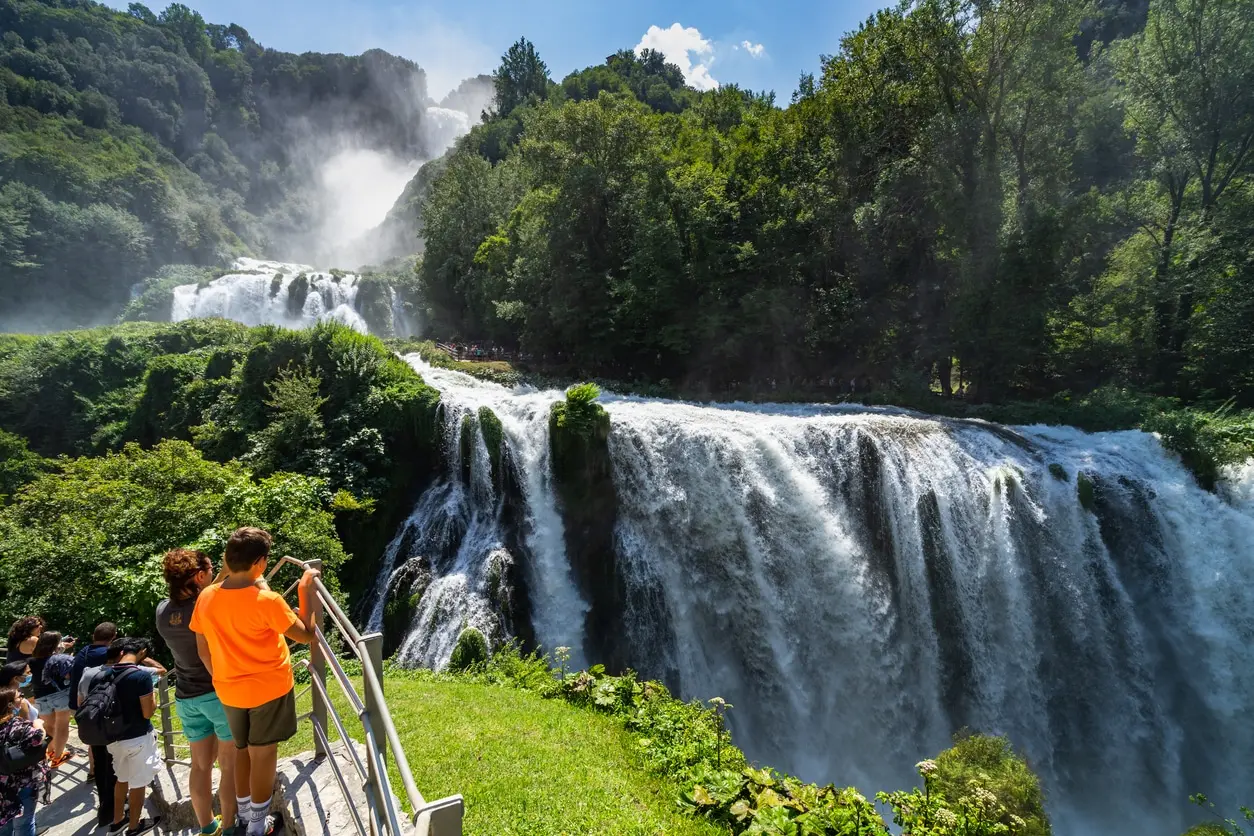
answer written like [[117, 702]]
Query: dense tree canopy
[[1003, 199], [133, 140]]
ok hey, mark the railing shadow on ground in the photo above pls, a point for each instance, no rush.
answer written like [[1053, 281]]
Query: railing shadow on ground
[[380, 813]]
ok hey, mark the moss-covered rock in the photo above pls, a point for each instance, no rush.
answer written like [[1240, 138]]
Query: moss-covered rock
[[471, 649], [493, 437], [297, 293], [404, 593], [1059, 472], [374, 303], [1086, 491], [466, 445], [579, 431]]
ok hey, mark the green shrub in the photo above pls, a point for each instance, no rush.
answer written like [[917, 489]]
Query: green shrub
[[471, 650], [991, 763], [101, 525], [18, 465]]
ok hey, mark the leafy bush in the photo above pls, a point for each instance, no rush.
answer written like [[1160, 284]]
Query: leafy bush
[[1220, 826], [991, 763], [99, 526], [18, 465], [1205, 441], [471, 650]]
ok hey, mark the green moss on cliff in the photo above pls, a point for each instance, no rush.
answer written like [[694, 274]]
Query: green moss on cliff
[[493, 436], [1086, 491]]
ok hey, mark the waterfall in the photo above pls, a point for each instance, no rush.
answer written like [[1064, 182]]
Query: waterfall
[[859, 583], [259, 293], [471, 527], [442, 127], [862, 583]]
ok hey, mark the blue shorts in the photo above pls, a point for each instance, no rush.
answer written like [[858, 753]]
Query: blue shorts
[[49, 705], [203, 717]]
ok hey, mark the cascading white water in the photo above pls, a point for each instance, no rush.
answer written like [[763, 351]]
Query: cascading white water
[[861, 584], [443, 126], [458, 541], [259, 293]]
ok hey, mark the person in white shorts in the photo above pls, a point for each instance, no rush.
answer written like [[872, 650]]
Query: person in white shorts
[[135, 757]]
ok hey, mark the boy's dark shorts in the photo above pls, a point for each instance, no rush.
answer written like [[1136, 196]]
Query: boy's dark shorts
[[269, 723]]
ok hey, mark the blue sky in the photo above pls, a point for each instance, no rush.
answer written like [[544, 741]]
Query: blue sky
[[760, 44]]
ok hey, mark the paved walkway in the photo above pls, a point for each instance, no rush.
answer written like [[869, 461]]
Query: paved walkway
[[307, 795], [73, 808]]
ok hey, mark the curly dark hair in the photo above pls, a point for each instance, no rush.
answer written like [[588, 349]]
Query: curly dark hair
[[23, 629], [181, 567]]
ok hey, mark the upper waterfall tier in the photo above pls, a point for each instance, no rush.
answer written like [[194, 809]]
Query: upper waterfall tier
[[273, 293]]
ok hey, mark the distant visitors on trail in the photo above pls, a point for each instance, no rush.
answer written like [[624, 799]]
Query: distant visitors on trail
[[187, 574], [22, 638], [134, 746], [16, 675], [23, 772], [240, 629], [50, 668], [101, 771]]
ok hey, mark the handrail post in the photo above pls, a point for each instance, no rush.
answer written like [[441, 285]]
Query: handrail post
[[167, 726], [318, 670], [372, 645]]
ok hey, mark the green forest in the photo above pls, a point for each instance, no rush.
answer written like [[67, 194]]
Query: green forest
[[999, 199], [131, 141]]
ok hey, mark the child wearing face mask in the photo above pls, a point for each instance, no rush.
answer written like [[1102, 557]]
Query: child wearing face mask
[[17, 675]]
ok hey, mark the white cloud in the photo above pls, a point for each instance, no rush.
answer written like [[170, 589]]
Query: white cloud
[[687, 49], [756, 50]]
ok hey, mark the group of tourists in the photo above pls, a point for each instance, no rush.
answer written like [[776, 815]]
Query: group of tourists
[[234, 695]]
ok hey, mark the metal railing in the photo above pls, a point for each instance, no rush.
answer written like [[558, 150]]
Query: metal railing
[[382, 812]]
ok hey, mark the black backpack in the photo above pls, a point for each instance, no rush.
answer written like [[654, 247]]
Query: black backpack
[[14, 757], [99, 716]]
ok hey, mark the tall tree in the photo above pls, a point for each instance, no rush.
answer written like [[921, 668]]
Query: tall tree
[[1189, 78], [521, 77]]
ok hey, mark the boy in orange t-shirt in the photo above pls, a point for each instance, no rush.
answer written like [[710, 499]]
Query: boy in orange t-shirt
[[240, 628]]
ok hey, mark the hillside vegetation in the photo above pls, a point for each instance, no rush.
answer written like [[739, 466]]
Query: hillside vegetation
[[1007, 200], [132, 140]]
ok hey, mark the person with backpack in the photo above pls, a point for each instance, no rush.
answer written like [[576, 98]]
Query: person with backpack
[[91, 656], [241, 630], [187, 573], [102, 770], [50, 669], [23, 774], [118, 710]]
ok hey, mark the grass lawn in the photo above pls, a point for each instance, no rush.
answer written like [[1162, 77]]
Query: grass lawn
[[524, 764]]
